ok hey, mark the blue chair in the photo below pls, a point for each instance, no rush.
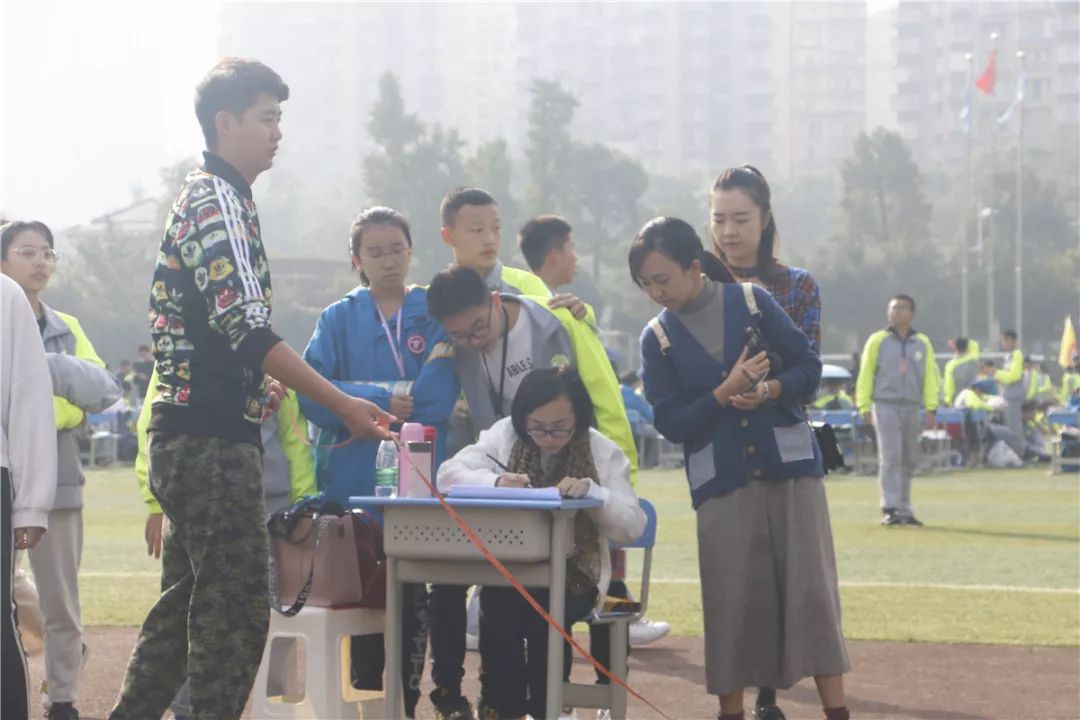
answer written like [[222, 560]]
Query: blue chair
[[103, 432], [613, 697]]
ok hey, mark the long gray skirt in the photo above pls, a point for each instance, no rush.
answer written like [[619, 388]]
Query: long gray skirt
[[768, 586]]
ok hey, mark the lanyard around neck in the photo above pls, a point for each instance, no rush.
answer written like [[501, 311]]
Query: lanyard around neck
[[497, 399], [395, 346]]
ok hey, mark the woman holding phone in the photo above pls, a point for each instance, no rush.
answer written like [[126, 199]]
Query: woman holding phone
[[768, 572]]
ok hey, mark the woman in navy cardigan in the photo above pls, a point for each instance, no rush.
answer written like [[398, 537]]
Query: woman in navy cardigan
[[768, 572]]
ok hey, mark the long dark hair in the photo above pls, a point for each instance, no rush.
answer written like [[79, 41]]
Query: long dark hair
[[677, 240], [752, 182]]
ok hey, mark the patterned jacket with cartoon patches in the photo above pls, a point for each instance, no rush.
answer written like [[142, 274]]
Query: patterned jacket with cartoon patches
[[210, 310]]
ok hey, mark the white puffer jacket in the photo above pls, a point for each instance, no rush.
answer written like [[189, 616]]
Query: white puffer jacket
[[28, 437], [620, 519]]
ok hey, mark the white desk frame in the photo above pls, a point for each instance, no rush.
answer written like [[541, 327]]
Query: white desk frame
[[423, 544]]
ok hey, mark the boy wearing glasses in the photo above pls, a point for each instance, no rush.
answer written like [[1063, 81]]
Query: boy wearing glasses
[[499, 338], [81, 385]]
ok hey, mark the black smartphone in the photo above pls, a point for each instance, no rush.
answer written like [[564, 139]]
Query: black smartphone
[[755, 344]]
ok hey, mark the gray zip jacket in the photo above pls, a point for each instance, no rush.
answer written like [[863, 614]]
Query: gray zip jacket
[[550, 347], [80, 378], [898, 371]]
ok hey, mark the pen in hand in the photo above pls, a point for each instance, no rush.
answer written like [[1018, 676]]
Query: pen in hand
[[503, 467]]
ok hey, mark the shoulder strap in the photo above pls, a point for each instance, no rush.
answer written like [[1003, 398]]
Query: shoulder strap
[[751, 301], [661, 335], [321, 523]]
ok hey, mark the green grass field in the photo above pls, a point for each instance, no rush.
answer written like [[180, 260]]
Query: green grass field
[[999, 560]]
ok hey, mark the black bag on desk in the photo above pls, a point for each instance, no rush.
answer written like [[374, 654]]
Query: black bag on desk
[[831, 456]]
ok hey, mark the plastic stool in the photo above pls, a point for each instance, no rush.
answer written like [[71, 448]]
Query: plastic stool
[[328, 691]]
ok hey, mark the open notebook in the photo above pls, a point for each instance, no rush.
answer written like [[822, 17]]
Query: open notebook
[[504, 493]]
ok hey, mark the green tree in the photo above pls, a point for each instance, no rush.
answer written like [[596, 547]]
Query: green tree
[[106, 266], [389, 125], [881, 199], [607, 188], [883, 245], [550, 148], [411, 169]]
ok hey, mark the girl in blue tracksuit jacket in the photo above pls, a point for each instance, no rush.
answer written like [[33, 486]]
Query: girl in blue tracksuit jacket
[[380, 344]]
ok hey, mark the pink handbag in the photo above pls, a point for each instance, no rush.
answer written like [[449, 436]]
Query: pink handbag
[[326, 560]]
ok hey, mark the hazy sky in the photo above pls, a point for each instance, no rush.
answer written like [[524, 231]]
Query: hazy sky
[[96, 96]]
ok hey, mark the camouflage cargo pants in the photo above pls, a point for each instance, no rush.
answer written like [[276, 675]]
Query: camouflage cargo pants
[[210, 622]]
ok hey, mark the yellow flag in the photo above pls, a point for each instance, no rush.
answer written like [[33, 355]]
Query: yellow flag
[[1068, 344]]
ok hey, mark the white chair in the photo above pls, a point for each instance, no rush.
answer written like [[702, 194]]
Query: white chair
[[103, 432], [327, 690]]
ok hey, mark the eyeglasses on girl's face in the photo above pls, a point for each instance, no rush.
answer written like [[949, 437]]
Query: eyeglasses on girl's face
[[29, 253]]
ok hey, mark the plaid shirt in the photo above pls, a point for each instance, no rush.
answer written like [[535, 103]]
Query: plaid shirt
[[798, 293]]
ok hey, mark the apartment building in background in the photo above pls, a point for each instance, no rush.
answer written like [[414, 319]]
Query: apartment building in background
[[933, 76], [686, 88]]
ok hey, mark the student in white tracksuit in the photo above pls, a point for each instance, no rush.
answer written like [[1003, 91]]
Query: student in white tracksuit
[[898, 375], [27, 468], [81, 385]]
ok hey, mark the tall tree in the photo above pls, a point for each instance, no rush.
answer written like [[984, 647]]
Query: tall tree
[[882, 201], [882, 246], [607, 187], [550, 148], [410, 170]]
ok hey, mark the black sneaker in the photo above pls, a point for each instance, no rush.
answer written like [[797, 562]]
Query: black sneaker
[[62, 711], [891, 517], [449, 706], [911, 520], [769, 712]]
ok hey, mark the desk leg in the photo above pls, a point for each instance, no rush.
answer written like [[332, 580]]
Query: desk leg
[[395, 702], [557, 610]]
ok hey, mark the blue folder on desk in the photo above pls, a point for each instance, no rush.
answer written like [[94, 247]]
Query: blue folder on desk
[[481, 492]]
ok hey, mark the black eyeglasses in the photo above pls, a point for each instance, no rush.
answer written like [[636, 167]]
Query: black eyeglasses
[[479, 332], [539, 433]]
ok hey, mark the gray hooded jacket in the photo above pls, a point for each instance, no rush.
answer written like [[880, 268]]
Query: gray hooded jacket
[[83, 383]]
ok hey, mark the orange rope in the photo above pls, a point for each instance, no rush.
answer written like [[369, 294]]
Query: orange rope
[[490, 557], [469, 533]]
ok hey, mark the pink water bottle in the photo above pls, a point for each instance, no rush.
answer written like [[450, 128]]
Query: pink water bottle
[[410, 432]]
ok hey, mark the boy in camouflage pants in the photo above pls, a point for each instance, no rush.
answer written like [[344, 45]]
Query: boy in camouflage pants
[[210, 322]]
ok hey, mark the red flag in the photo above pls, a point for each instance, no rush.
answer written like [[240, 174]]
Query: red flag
[[986, 80]]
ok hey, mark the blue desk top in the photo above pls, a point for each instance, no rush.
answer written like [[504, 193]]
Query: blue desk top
[[836, 418], [1064, 417], [564, 504], [843, 418]]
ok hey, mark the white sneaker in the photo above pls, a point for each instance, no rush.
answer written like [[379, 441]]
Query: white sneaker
[[645, 631], [603, 715], [571, 715], [472, 642]]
